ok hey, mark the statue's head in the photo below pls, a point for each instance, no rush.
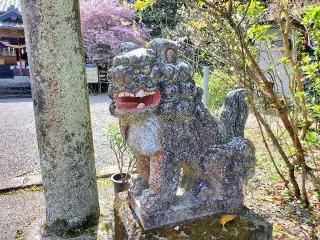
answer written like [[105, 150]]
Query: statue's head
[[150, 79]]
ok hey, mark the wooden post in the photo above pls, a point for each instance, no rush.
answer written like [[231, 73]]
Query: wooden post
[[205, 85], [62, 114], [20, 61], [99, 82]]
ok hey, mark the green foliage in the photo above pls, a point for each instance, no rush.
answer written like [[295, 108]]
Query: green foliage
[[141, 5], [114, 136], [197, 24], [124, 156], [311, 65], [253, 10], [220, 84], [312, 19], [259, 32], [313, 137], [157, 15], [316, 110]]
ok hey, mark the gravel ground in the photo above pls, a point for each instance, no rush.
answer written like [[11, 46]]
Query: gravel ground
[[17, 210], [21, 209], [19, 153]]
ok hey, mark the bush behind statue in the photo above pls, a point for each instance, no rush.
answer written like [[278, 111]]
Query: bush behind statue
[[220, 84]]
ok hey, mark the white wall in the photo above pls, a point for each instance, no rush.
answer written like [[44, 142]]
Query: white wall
[[272, 58]]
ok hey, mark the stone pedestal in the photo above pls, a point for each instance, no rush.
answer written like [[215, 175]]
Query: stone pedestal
[[185, 208], [246, 226]]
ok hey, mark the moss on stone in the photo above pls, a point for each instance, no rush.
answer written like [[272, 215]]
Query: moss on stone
[[246, 226], [210, 228], [32, 188], [104, 182], [105, 226]]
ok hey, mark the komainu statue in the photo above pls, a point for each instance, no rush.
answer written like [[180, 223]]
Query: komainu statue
[[191, 164]]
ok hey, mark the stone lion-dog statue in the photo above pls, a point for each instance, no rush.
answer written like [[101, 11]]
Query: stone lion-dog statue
[[190, 163]]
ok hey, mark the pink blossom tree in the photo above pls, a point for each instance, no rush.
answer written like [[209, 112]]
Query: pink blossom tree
[[105, 24]]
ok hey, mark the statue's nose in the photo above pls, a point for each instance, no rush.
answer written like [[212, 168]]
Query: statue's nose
[[120, 77], [125, 79]]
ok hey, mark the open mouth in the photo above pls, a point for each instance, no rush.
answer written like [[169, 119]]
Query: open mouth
[[139, 99]]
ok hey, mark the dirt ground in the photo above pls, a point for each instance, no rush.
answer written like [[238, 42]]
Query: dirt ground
[[267, 195]]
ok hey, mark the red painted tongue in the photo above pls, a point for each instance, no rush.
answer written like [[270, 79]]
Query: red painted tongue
[[128, 105], [131, 103], [147, 100]]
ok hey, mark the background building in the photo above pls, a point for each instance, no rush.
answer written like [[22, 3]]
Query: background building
[[13, 55]]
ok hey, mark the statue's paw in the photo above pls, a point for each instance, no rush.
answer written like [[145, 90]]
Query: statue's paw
[[138, 186], [151, 201]]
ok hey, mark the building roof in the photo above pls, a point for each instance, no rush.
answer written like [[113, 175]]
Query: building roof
[[11, 25], [6, 4], [10, 16]]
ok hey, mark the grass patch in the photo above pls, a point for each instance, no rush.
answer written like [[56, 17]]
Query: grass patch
[[104, 182]]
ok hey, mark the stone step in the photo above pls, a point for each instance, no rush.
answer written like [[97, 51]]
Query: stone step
[[14, 89], [15, 92], [6, 96]]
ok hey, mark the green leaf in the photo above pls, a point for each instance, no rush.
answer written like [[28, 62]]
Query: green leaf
[[312, 137], [259, 32], [306, 59], [300, 94], [197, 24], [316, 109], [283, 60], [140, 5]]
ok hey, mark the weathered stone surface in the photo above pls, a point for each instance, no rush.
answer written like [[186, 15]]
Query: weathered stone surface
[[62, 114], [179, 144], [246, 226]]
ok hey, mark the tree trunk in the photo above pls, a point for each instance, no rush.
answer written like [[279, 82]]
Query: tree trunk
[[290, 167], [62, 114]]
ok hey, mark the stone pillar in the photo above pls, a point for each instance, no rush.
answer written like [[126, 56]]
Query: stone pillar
[[62, 114]]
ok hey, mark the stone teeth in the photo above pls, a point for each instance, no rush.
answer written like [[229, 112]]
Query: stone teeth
[[141, 105], [121, 94], [152, 92], [140, 93], [131, 94], [126, 94]]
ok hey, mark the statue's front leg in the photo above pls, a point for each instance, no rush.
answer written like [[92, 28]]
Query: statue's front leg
[[141, 182], [163, 182]]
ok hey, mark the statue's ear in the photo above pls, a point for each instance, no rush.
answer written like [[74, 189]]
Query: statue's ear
[[166, 50], [127, 47]]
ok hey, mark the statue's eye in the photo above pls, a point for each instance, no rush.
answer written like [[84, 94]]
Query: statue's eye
[[146, 70], [136, 71]]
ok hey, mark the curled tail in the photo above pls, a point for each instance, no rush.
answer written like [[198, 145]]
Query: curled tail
[[235, 113]]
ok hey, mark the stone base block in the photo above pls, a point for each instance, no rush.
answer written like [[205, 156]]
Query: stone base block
[[246, 226], [186, 207]]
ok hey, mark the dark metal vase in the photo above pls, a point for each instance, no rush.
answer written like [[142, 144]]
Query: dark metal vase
[[121, 184]]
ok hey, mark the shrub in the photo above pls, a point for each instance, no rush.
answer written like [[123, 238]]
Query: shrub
[[124, 156], [220, 84]]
